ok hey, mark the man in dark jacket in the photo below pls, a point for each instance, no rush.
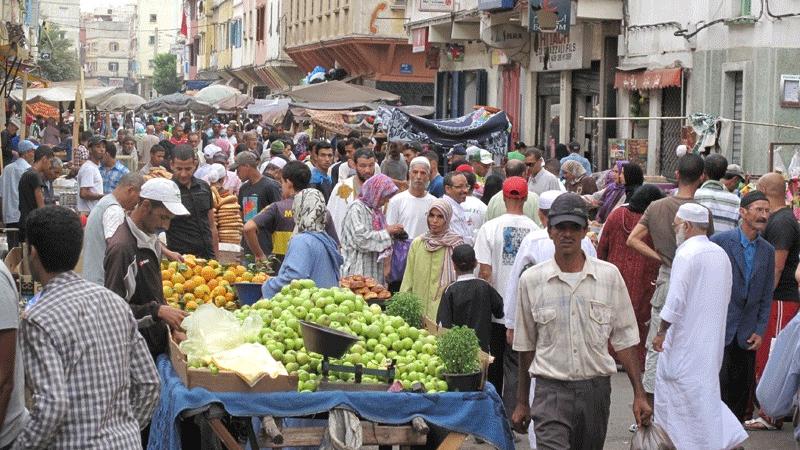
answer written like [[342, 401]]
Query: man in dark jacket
[[132, 262], [753, 262]]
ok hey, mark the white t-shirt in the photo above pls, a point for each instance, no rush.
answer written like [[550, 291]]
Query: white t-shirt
[[497, 244], [89, 177], [475, 211], [410, 211], [113, 217]]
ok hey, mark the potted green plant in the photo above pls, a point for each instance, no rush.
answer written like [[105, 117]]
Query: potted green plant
[[408, 306], [458, 349]]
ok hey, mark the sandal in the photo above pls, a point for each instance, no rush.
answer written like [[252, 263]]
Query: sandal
[[759, 424]]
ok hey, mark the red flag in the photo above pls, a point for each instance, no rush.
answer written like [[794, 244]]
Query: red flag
[[184, 28]]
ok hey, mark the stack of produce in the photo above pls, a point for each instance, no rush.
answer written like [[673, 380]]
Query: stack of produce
[[197, 281], [157, 172], [229, 218], [382, 337], [366, 287]]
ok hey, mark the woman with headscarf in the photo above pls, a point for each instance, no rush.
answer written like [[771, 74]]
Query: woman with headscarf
[[365, 236], [312, 253], [429, 267], [638, 271], [627, 177], [577, 180], [300, 144]]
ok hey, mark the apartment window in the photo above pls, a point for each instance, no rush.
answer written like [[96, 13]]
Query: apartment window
[[113, 67], [153, 18], [260, 23], [113, 46], [151, 39], [270, 19]]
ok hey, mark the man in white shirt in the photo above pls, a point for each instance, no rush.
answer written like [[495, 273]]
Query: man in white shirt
[[474, 208], [456, 190], [11, 175], [539, 179], [90, 182], [410, 207], [496, 247], [691, 340], [346, 190]]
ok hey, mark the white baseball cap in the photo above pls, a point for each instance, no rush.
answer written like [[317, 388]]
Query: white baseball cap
[[486, 157], [547, 197], [166, 192], [210, 150]]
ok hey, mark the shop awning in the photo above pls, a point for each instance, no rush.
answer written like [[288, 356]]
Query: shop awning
[[648, 79]]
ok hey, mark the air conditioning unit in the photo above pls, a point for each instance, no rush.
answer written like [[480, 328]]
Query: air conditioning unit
[[399, 4]]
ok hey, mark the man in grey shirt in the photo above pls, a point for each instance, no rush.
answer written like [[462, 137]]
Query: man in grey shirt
[[539, 179], [13, 415]]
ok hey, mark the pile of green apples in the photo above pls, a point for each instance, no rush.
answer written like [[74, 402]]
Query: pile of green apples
[[382, 338]]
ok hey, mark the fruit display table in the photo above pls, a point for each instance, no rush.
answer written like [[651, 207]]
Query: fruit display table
[[479, 414]]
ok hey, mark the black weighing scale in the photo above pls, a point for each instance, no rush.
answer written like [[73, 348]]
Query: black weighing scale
[[333, 344]]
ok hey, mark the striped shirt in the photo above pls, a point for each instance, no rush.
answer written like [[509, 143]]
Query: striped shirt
[[724, 205], [361, 244], [93, 381]]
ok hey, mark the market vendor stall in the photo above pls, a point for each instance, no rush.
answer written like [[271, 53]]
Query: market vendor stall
[[469, 413]]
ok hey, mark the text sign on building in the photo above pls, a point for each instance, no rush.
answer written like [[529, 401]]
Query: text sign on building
[[419, 39], [505, 36], [556, 52], [549, 16], [436, 5], [406, 69]]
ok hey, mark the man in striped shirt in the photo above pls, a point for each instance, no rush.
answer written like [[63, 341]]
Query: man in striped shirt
[[724, 205]]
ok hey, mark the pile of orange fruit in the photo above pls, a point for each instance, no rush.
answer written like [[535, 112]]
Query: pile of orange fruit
[[196, 281]]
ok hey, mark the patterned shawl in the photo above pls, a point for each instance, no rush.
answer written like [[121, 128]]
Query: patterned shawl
[[447, 240], [377, 188], [309, 211], [612, 194]]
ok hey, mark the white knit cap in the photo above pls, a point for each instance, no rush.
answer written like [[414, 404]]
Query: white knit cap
[[692, 212], [681, 150], [210, 150], [420, 160], [547, 197]]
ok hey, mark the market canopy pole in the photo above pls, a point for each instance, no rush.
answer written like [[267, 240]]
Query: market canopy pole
[[23, 133], [76, 118], [746, 122]]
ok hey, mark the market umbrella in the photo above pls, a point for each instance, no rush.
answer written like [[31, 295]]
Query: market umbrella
[[64, 94], [234, 102], [216, 94], [121, 101], [176, 103], [340, 92]]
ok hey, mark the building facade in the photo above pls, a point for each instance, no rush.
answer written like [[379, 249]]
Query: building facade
[[66, 14], [156, 26], [106, 48]]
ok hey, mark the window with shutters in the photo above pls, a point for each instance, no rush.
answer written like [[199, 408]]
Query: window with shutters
[[113, 67], [260, 24], [113, 46], [738, 95]]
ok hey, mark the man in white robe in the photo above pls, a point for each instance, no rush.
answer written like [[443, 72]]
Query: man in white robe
[[691, 340]]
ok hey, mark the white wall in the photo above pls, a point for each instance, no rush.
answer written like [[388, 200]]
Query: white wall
[[168, 22], [65, 13]]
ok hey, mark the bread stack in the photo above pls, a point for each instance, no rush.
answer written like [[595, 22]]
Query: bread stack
[[229, 218], [157, 172]]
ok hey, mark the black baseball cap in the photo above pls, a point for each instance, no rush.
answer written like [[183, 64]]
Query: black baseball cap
[[569, 207], [96, 139]]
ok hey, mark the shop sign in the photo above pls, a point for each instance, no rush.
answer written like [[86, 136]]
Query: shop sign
[[556, 52], [495, 5], [549, 16], [436, 5], [406, 69], [505, 36], [419, 39]]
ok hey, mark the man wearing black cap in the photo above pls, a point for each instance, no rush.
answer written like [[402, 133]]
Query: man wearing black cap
[[456, 156], [570, 308], [753, 262]]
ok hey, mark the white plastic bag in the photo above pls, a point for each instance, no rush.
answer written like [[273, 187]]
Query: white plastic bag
[[794, 165], [777, 163], [651, 437], [210, 330]]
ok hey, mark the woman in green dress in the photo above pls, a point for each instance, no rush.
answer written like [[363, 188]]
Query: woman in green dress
[[429, 267]]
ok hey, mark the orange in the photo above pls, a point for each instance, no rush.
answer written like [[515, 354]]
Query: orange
[[178, 288], [220, 301], [230, 306], [208, 273], [198, 280], [191, 306], [212, 283], [213, 263], [240, 270], [229, 276], [189, 297], [219, 290], [167, 291], [178, 278], [239, 279], [197, 270], [229, 296], [201, 290], [189, 285], [247, 276], [166, 283], [188, 273], [225, 283], [165, 275]]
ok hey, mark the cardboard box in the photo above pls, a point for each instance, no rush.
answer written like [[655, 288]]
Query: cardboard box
[[224, 381]]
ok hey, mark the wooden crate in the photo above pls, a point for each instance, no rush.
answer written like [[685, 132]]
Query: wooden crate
[[224, 381]]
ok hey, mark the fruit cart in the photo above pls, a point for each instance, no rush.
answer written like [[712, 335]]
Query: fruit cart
[[328, 354]]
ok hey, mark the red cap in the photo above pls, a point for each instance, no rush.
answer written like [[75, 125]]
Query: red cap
[[515, 187], [465, 168]]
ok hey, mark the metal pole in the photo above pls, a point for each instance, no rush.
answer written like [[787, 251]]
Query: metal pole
[[23, 133]]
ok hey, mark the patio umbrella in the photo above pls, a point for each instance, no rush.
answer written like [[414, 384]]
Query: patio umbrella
[[234, 102], [176, 103], [121, 101], [216, 94]]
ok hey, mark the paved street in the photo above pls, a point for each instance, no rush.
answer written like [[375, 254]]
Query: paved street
[[619, 438]]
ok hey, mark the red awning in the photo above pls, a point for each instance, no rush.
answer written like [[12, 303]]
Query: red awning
[[648, 79]]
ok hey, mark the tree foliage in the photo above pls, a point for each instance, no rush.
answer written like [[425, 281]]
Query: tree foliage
[[63, 63], [165, 76]]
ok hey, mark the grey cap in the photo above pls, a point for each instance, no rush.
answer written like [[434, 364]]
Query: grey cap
[[568, 207], [734, 170], [245, 158]]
